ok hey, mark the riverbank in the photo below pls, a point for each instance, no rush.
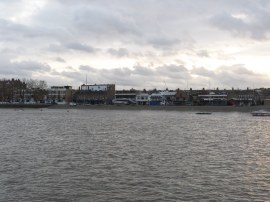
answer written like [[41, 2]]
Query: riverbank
[[165, 108], [14, 106], [141, 107]]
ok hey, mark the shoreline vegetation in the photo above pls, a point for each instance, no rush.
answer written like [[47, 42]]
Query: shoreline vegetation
[[143, 107]]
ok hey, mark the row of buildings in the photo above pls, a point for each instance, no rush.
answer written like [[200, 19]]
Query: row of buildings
[[107, 94], [202, 97]]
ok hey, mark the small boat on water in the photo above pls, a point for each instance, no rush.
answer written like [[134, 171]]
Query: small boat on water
[[123, 101], [204, 113], [260, 113]]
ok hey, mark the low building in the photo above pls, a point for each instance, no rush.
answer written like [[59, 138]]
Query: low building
[[142, 98], [156, 99], [125, 97], [126, 94], [168, 97], [162, 98], [213, 99], [244, 97], [59, 95], [181, 97], [95, 94]]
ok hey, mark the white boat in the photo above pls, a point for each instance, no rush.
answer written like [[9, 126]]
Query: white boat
[[260, 113], [123, 101], [72, 104]]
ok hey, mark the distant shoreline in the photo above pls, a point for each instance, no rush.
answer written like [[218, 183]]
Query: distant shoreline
[[142, 107], [165, 108], [24, 106]]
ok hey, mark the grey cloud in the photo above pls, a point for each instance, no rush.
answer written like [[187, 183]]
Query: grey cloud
[[121, 52], [253, 24], [173, 72], [242, 70], [9, 1], [97, 19], [23, 68], [163, 42], [237, 76], [143, 71], [80, 47], [66, 77], [31, 66], [136, 77], [161, 29], [120, 72], [15, 32], [149, 75], [173, 76], [55, 48], [59, 59], [70, 68], [227, 22], [203, 53], [93, 75], [87, 68], [75, 46], [10, 30], [238, 69], [202, 71]]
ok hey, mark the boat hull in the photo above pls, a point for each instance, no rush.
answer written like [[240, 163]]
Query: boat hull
[[260, 113]]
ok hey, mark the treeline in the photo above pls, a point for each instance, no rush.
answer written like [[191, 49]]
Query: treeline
[[16, 90]]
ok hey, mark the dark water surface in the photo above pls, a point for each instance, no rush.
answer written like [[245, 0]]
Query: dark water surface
[[103, 155]]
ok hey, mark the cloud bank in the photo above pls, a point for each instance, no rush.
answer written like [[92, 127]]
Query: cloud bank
[[140, 44]]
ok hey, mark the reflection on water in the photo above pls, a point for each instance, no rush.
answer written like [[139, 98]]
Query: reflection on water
[[96, 155]]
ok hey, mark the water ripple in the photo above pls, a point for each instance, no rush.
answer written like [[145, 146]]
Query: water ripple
[[95, 155]]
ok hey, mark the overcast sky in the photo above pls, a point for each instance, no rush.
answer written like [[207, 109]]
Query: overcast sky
[[140, 44]]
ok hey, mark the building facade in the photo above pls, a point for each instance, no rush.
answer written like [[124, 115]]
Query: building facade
[[59, 95], [142, 98], [213, 99], [95, 94], [244, 98]]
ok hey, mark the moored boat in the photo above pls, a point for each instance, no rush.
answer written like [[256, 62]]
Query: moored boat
[[260, 113], [123, 101]]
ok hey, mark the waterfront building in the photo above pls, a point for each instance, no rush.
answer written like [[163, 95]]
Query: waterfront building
[[168, 97], [142, 98], [126, 94], [95, 94], [125, 97], [156, 99], [265, 92], [213, 99], [244, 97], [59, 95], [181, 98], [193, 96], [26, 96], [162, 98]]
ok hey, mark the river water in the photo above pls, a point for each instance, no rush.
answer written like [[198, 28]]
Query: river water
[[122, 155]]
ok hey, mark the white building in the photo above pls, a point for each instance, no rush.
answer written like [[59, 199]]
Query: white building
[[162, 98], [59, 94], [142, 98]]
